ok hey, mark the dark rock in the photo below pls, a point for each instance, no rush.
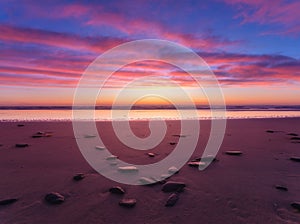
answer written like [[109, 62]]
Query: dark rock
[[128, 169], [282, 188], [179, 136], [150, 154], [270, 131], [40, 134], [172, 186], [172, 199], [295, 138], [196, 163], [54, 198], [172, 143], [8, 201], [117, 190], [20, 125], [296, 205], [205, 159], [127, 202], [21, 145], [78, 176], [296, 159], [234, 153], [292, 134], [173, 170]]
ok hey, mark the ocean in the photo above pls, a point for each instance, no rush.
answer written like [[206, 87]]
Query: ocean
[[22, 114]]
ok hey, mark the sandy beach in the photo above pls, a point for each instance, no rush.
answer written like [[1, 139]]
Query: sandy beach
[[234, 189]]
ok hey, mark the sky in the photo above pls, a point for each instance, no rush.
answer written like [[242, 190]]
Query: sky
[[252, 46]]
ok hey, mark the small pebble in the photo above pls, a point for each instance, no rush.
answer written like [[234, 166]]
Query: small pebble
[[90, 136], [173, 170], [172, 143], [172, 199], [296, 159], [179, 136], [100, 147], [112, 157], [20, 125], [117, 190], [150, 154], [270, 131], [282, 188], [234, 153], [295, 138], [128, 202], [127, 169], [296, 205], [21, 145], [292, 134], [172, 186], [78, 177], [196, 163], [205, 159], [146, 181], [54, 198], [8, 201]]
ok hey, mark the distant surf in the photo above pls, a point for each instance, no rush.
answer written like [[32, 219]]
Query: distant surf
[[63, 114]]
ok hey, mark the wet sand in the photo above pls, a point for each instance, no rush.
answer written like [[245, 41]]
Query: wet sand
[[234, 189]]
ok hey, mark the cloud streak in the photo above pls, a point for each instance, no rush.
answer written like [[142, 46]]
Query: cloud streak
[[281, 13]]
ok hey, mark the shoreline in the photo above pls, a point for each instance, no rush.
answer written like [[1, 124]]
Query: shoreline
[[144, 120]]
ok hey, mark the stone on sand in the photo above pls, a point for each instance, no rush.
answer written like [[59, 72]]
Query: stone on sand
[[173, 170], [128, 169], [196, 163], [205, 159], [179, 136], [8, 201], [295, 138], [282, 188], [234, 152], [127, 202], [111, 157], [172, 143], [150, 154], [100, 147], [146, 180], [89, 136], [117, 190], [54, 198], [296, 159], [296, 205], [78, 176], [172, 199], [37, 136], [292, 134], [21, 145], [172, 186]]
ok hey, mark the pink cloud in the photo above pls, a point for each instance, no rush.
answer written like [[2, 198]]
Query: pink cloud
[[124, 22], [55, 39], [279, 12]]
